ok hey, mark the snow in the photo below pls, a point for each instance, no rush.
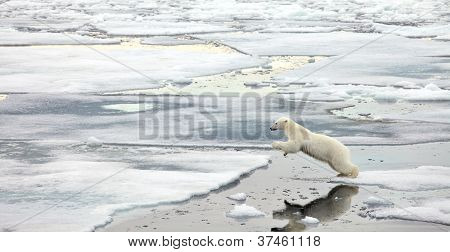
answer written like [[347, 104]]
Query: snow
[[422, 178], [238, 196], [88, 188], [244, 211]]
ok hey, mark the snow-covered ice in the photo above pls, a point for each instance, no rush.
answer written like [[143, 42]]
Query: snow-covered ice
[[73, 181], [244, 211], [436, 211]]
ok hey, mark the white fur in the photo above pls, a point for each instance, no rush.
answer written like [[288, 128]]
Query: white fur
[[318, 146]]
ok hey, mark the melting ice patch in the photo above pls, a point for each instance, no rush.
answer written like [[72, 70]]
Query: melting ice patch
[[75, 194], [422, 178]]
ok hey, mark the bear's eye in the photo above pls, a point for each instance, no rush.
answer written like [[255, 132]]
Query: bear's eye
[[276, 123]]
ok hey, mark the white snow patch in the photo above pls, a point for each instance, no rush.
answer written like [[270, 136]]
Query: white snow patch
[[244, 211], [422, 178], [238, 196]]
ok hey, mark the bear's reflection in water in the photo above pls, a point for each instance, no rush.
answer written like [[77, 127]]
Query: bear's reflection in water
[[327, 209]]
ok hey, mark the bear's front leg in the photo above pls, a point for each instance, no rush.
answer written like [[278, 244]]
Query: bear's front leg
[[281, 146]]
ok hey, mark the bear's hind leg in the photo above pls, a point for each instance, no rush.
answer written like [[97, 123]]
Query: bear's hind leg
[[345, 169]]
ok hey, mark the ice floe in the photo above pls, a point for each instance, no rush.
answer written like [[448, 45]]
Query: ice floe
[[436, 210], [83, 69]]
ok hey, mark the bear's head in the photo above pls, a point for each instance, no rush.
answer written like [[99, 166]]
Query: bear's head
[[280, 124]]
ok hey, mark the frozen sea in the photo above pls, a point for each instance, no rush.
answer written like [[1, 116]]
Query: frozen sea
[[107, 105]]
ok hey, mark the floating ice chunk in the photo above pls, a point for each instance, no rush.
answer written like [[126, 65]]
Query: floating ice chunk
[[238, 196], [244, 211], [310, 220], [422, 178], [373, 202], [94, 142]]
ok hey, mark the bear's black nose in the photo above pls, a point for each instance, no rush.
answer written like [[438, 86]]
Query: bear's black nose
[[271, 129]]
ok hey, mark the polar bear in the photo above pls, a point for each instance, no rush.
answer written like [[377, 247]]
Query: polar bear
[[318, 146]]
